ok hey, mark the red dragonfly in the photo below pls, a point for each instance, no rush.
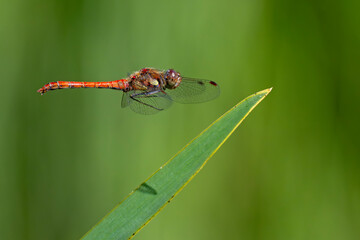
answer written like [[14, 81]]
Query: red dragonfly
[[149, 90]]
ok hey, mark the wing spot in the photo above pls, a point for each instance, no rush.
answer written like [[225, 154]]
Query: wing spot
[[213, 83]]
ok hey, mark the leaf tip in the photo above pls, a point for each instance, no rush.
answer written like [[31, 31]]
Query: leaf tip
[[265, 91]]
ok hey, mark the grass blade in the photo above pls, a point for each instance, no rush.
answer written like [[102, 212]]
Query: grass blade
[[127, 218]]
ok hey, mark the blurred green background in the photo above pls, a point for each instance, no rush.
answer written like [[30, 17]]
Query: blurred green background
[[291, 171]]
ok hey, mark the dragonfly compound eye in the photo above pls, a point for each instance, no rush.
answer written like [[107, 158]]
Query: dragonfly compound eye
[[173, 78]]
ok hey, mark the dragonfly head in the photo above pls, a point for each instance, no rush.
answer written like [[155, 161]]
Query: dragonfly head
[[172, 78]]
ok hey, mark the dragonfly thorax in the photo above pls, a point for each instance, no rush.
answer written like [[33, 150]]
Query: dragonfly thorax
[[147, 79], [150, 79]]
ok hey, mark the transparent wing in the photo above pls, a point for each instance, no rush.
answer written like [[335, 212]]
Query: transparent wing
[[146, 102], [193, 90], [125, 101]]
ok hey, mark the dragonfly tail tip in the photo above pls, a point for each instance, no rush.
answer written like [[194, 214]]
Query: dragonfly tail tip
[[41, 91]]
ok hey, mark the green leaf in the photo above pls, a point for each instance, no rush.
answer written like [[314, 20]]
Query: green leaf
[[127, 218]]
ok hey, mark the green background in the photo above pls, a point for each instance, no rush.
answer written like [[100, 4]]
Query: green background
[[291, 171]]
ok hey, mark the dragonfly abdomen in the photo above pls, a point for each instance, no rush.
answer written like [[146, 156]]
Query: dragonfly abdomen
[[118, 84]]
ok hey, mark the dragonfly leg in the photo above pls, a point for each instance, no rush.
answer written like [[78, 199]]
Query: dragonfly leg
[[143, 95]]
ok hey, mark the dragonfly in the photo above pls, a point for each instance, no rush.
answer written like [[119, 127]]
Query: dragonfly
[[149, 91]]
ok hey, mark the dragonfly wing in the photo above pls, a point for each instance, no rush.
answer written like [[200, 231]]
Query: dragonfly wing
[[193, 90], [147, 102], [125, 101]]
